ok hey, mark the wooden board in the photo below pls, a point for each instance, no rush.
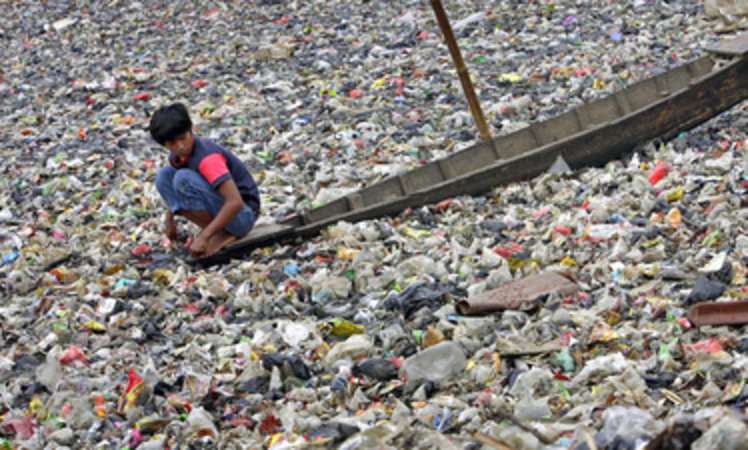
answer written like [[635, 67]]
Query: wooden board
[[737, 46], [260, 235]]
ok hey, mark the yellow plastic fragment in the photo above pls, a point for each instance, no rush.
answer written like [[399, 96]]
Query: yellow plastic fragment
[[162, 276], [568, 261], [510, 77], [378, 84], [347, 254], [275, 439], [345, 328], [416, 234], [432, 336], [674, 217], [673, 195], [94, 326], [36, 406]]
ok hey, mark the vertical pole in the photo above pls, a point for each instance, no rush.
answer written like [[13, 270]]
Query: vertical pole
[[462, 72]]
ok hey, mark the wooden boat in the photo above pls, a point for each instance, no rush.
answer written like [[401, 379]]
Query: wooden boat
[[592, 134]]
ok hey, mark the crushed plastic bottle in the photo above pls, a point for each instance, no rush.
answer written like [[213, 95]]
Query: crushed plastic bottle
[[438, 363], [729, 434], [626, 427]]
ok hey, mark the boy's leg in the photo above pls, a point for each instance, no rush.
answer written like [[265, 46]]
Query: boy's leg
[[166, 187], [199, 218], [201, 205], [221, 239]]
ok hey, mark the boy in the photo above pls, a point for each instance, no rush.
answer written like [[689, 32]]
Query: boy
[[204, 182]]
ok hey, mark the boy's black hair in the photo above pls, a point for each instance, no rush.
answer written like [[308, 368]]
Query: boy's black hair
[[168, 122]]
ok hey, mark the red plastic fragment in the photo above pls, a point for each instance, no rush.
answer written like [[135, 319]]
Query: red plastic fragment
[[212, 12], [562, 229], [73, 354], [23, 427], [141, 249], [560, 377], [133, 379], [508, 250], [659, 172], [197, 84], [270, 424], [710, 345], [444, 205]]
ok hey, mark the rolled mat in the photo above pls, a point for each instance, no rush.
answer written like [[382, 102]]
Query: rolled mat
[[518, 293]]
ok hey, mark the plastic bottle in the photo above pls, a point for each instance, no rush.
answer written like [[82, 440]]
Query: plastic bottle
[[627, 427], [565, 360], [200, 422], [728, 433], [661, 169], [356, 346], [438, 363], [295, 334]]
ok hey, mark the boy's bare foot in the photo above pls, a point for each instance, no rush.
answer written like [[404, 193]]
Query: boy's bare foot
[[219, 241]]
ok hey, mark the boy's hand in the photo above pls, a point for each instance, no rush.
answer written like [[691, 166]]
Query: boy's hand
[[199, 245]]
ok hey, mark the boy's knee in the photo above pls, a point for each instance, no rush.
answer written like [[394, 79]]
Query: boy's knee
[[164, 178], [184, 179]]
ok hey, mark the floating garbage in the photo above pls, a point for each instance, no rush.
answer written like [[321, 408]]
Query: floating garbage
[[412, 331]]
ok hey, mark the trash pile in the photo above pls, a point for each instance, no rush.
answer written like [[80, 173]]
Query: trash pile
[[394, 333], [730, 15]]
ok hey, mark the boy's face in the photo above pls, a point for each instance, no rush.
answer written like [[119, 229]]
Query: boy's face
[[181, 146]]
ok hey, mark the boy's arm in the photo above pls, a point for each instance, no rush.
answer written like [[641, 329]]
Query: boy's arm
[[232, 204], [171, 227]]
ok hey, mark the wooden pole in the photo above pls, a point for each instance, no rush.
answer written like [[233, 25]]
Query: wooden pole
[[462, 72]]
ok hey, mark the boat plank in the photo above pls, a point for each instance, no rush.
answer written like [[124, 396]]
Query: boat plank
[[737, 46], [592, 134], [261, 234]]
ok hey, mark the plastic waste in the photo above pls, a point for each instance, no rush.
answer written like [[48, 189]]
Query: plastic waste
[[705, 289], [345, 328], [200, 424], [111, 340], [355, 347], [376, 368], [439, 363], [661, 169], [728, 433], [626, 427]]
